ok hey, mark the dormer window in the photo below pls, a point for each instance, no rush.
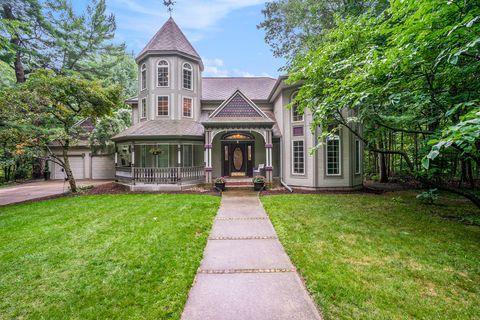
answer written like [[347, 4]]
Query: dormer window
[[187, 76], [143, 77], [162, 73], [297, 116]]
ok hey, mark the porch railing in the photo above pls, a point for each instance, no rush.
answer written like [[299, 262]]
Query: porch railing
[[168, 175]]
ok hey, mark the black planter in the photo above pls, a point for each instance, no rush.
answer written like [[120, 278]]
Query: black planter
[[257, 186], [220, 186], [46, 175]]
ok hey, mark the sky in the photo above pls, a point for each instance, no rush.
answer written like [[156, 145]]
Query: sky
[[223, 32]]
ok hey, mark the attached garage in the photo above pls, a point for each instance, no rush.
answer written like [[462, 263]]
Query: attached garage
[[77, 164], [103, 167]]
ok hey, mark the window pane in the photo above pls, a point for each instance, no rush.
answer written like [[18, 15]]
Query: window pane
[[187, 155], [297, 116], [357, 156], [162, 74], [333, 155], [162, 155], [187, 107], [162, 107], [144, 79], [144, 108], [298, 157], [187, 76]]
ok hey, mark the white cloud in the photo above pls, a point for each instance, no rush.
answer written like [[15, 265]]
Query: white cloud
[[196, 15], [216, 68]]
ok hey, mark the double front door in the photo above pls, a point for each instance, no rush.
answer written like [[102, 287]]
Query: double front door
[[237, 159]]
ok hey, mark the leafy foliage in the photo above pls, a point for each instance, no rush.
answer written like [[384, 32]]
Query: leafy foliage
[[428, 197], [413, 69], [48, 106], [107, 127]]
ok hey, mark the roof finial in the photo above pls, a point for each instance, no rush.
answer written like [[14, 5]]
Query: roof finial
[[169, 4]]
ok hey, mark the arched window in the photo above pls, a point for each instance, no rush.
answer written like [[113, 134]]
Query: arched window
[[187, 76], [297, 116], [162, 73], [143, 77]]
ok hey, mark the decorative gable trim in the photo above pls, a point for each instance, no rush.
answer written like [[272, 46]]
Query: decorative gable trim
[[249, 109]]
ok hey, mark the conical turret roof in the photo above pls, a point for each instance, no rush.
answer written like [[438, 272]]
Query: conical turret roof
[[170, 39]]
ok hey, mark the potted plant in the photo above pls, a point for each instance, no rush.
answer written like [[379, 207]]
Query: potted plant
[[220, 183], [258, 183]]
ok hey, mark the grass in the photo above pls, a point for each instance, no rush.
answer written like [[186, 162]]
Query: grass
[[102, 257], [382, 257]]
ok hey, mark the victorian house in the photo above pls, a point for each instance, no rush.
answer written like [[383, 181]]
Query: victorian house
[[189, 129]]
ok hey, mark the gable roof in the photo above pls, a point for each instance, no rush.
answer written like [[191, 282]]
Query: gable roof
[[219, 89], [172, 40], [238, 106]]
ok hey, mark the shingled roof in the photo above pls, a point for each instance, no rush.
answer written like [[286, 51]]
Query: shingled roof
[[170, 39], [219, 89], [162, 128]]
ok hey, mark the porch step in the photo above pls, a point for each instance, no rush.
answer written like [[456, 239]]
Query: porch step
[[239, 182]]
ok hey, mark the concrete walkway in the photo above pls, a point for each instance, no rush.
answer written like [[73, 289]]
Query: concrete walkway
[[245, 273], [39, 189]]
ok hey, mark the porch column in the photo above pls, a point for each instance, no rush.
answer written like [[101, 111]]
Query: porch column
[[208, 156], [268, 150], [132, 154]]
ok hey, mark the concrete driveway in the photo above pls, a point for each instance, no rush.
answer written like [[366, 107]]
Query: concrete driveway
[[39, 189]]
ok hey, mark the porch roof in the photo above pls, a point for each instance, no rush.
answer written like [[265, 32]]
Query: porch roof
[[162, 128], [243, 122]]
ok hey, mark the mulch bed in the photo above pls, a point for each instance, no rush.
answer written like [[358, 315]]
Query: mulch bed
[[368, 187], [116, 188]]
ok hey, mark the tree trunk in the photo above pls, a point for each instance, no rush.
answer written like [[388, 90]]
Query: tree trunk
[[17, 64], [471, 181], [463, 173], [382, 164], [68, 170], [401, 149]]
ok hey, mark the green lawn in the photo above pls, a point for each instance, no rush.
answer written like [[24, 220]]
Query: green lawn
[[102, 257], [382, 257]]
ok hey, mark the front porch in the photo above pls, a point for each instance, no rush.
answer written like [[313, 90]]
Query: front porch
[[158, 179], [160, 165]]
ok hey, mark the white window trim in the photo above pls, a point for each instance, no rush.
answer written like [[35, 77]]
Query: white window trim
[[168, 72], [292, 108], [143, 67], [293, 159], [358, 157], [337, 136], [191, 111], [141, 108], [183, 75], [168, 103]]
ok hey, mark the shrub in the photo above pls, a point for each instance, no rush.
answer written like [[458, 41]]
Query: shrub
[[220, 180], [258, 179], [428, 197]]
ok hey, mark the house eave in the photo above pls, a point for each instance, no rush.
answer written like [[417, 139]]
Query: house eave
[[160, 53]]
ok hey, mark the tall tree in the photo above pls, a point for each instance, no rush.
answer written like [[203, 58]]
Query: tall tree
[[49, 106], [412, 70], [26, 33], [296, 26], [52, 35]]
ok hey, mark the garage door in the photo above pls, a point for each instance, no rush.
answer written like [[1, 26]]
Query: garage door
[[103, 167], [76, 164]]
